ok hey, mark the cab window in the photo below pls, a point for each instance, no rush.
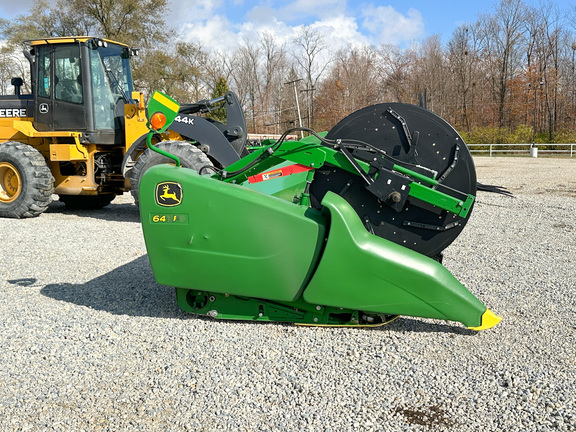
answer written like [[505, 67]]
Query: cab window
[[67, 76], [44, 80]]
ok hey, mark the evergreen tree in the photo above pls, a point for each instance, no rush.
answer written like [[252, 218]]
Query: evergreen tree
[[220, 89]]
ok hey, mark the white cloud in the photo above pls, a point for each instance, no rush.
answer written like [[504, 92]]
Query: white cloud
[[340, 32], [384, 24], [212, 34], [300, 9], [281, 32], [209, 23], [198, 10], [261, 14], [219, 34]]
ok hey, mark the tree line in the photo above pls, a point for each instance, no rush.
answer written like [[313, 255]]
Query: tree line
[[507, 77]]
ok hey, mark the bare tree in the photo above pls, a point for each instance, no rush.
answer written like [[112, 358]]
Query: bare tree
[[394, 70], [502, 38], [12, 64], [351, 84], [554, 40], [192, 63], [430, 73], [274, 70], [309, 48], [463, 56], [219, 64], [134, 22], [247, 79]]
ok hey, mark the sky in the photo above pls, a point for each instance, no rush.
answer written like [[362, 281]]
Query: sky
[[222, 24]]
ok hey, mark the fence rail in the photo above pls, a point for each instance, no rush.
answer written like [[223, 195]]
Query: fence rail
[[524, 149]]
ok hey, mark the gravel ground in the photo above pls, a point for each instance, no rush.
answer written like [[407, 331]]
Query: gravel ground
[[90, 342]]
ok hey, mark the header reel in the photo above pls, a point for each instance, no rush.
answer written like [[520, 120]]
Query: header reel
[[421, 184]]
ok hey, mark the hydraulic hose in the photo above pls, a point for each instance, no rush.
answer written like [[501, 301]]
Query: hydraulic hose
[[158, 150]]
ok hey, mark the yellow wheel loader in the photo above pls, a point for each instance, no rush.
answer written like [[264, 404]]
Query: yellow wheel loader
[[81, 133]]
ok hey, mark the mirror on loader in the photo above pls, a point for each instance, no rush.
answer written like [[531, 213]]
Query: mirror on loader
[[162, 110]]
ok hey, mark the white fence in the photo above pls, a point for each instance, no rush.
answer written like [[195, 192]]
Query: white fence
[[523, 149], [261, 137]]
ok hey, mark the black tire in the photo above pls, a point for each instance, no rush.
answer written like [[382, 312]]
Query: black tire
[[87, 202], [26, 182], [190, 157]]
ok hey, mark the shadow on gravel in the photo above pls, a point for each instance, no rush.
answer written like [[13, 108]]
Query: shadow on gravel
[[127, 290], [121, 212], [414, 325], [132, 290]]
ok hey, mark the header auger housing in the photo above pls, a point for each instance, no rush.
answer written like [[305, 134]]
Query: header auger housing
[[344, 228]]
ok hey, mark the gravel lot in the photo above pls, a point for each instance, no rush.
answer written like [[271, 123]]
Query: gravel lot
[[90, 342]]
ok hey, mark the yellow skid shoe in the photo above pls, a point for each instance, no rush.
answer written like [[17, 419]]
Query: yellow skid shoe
[[489, 320]]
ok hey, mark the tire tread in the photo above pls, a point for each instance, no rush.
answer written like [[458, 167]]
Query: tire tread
[[37, 180]]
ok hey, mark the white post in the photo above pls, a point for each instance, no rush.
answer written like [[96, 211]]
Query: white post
[[298, 109], [297, 104]]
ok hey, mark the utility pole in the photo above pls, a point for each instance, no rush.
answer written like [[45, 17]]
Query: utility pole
[[308, 105], [297, 104]]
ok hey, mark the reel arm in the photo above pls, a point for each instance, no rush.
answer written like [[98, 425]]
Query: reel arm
[[314, 153]]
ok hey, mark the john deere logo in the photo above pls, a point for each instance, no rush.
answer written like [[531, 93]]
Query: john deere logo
[[168, 194]]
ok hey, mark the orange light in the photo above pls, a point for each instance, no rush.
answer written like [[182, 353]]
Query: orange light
[[157, 121]]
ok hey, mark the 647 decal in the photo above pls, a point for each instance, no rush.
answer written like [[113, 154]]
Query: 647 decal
[[163, 218], [185, 119]]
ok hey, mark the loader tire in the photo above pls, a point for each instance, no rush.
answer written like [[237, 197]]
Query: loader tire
[[26, 182], [87, 202], [190, 157]]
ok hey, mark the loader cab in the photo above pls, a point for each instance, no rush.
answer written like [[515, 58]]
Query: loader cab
[[81, 84]]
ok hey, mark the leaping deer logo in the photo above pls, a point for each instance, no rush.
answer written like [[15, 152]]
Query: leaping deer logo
[[170, 196]]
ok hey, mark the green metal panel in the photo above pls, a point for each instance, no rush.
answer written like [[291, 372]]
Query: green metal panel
[[359, 270], [164, 104], [255, 309], [226, 238], [435, 197], [414, 174], [224, 306], [309, 152], [440, 199], [284, 187]]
